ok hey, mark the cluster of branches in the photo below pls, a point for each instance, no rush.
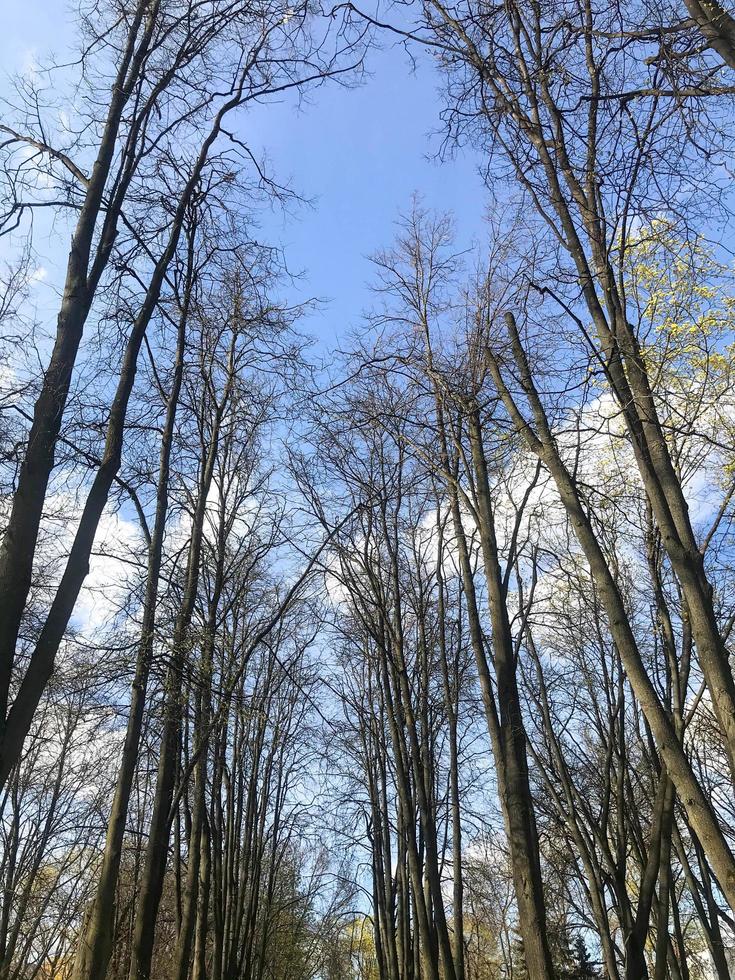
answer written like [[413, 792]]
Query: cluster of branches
[[155, 812], [525, 441], [174, 835], [483, 601], [520, 728]]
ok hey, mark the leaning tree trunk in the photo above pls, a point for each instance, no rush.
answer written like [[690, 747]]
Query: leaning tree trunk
[[95, 946], [21, 534], [698, 806]]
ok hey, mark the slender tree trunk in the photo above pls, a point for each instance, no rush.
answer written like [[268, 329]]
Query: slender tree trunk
[[450, 697], [515, 789], [190, 903], [157, 849], [21, 534], [95, 944], [507, 730], [201, 744], [663, 941], [698, 806], [202, 923]]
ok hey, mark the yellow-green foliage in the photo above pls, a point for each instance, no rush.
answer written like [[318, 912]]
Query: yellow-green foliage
[[683, 300]]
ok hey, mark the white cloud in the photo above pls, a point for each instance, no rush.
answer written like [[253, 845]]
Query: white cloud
[[107, 585], [38, 275], [112, 565]]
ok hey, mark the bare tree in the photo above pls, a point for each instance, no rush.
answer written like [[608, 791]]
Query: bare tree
[[182, 74]]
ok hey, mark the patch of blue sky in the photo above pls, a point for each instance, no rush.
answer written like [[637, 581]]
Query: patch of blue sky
[[357, 154]]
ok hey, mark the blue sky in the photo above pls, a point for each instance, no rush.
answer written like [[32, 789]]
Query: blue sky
[[362, 153], [359, 154]]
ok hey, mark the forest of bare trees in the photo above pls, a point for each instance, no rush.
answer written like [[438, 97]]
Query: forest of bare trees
[[407, 655]]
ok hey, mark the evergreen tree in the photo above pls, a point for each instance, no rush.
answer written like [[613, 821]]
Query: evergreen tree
[[565, 964], [585, 968]]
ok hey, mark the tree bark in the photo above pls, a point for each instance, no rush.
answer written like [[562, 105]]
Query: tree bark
[[696, 803]]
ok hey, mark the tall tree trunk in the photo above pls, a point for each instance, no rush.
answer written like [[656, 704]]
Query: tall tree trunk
[[95, 944], [21, 534], [698, 806], [157, 848], [41, 664], [451, 692]]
